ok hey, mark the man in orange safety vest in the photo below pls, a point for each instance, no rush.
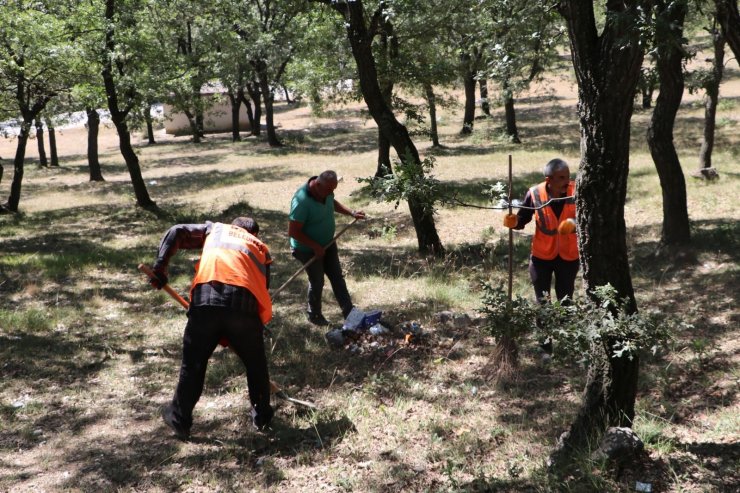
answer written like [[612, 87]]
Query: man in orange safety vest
[[229, 299], [555, 243]]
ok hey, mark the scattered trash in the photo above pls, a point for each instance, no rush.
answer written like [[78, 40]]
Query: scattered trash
[[153, 182], [378, 330], [357, 319], [371, 318], [354, 319], [645, 487]]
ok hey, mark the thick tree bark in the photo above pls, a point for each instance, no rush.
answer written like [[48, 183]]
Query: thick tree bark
[[236, 103], [20, 155], [729, 18], [469, 113], [676, 229], [711, 99], [388, 52], [361, 43], [118, 115], [255, 95], [287, 96], [268, 99], [192, 121], [248, 106], [511, 129], [485, 106], [384, 167], [43, 161], [53, 154], [607, 67], [510, 113], [93, 127], [432, 102], [149, 124]]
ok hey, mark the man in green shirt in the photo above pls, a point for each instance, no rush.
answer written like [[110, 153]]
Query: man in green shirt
[[311, 229]]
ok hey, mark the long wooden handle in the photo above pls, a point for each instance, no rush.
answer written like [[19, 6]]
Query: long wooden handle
[[175, 295], [314, 259]]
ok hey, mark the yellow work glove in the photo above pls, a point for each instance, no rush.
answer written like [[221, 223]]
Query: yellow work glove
[[511, 220], [567, 226]]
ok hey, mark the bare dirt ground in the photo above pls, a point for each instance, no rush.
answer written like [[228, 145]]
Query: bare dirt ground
[[89, 355]]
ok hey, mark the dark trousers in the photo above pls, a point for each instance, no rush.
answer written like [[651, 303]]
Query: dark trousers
[[541, 273], [206, 325], [329, 266]]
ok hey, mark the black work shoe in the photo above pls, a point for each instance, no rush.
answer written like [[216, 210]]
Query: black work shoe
[[318, 320], [262, 419], [169, 419]]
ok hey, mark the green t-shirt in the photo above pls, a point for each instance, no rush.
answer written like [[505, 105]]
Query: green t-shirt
[[317, 218]]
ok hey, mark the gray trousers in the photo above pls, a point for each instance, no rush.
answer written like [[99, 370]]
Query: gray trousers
[[330, 267]]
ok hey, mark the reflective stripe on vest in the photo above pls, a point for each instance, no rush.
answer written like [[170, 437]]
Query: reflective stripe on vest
[[548, 243], [232, 255]]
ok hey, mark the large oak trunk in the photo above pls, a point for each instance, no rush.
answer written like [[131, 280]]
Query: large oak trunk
[[118, 115], [43, 161], [607, 68], [267, 99], [255, 119], [236, 103], [53, 154], [93, 127], [432, 102], [396, 133], [660, 133], [20, 155], [485, 105], [711, 99], [729, 18], [469, 113]]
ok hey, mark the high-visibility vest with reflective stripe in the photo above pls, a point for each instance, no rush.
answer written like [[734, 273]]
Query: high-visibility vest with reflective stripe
[[232, 255], [548, 243]]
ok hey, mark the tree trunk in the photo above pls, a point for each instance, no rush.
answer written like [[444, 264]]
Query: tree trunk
[[729, 19], [485, 106], [267, 98], [248, 106], [361, 43], [711, 99], [236, 104], [254, 94], [53, 155], [384, 167], [510, 113], [647, 98], [118, 115], [192, 121], [676, 229], [432, 102], [607, 67], [93, 126], [149, 124], [287, 96], [20, 156], [40, 141], [469, 114], [199, 123]]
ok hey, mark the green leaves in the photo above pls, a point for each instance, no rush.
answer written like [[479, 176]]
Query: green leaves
[[577, 326], [410, 181]]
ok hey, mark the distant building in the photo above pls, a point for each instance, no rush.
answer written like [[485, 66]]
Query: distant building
[[216, 119]]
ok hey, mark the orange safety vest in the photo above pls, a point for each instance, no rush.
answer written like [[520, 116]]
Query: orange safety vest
[[232, 255], [548, 243]]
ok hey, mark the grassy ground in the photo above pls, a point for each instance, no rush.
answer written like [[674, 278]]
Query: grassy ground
[[89, 354]]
